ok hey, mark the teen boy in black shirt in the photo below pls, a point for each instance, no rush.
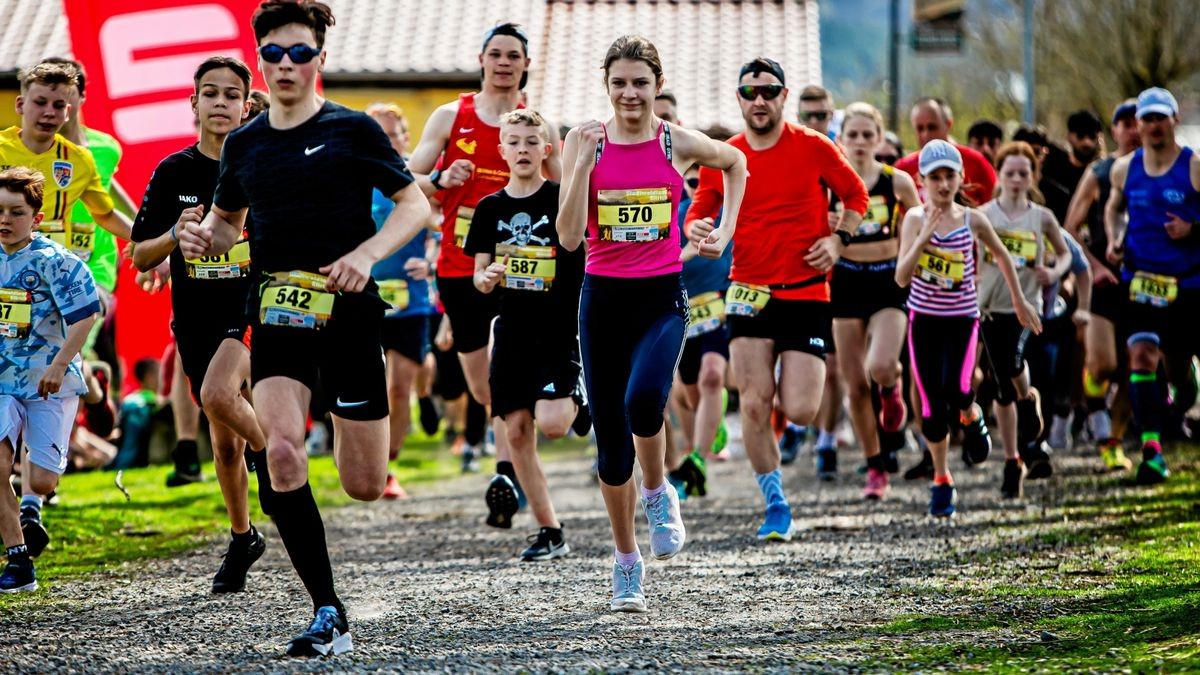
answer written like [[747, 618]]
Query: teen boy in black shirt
[[304, 172]]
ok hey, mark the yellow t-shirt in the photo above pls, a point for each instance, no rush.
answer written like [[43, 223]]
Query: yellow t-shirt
[[71, 175]]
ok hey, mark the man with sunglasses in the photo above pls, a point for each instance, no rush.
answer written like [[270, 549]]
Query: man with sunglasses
[[306, 170], [816, 109], [1158, 185], [777, 306], [458, 160], [932, 119]]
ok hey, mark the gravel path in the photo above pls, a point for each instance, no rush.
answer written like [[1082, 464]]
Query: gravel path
[[430, 588]]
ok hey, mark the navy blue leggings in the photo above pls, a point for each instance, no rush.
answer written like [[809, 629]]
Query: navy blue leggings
[[631, 335]]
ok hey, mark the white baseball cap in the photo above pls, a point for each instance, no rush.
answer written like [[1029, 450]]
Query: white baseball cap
[[1156, 100], [938, 154]]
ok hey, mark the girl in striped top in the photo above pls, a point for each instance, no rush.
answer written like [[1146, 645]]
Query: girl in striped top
[[937, 258]]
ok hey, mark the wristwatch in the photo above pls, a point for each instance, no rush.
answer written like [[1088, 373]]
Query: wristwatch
[[434, 177], [844, 236]]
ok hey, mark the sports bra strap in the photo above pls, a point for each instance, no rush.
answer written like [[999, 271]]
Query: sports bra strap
[[664, 129]]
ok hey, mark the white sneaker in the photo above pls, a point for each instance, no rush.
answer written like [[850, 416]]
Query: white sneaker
[[1099, 425], [1060, 433], [628, 595], [667, 533]]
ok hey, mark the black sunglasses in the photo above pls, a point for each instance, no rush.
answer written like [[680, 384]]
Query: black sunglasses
[[299, 54], [753, 91], [815, 115], [886, 159], [693, 182]]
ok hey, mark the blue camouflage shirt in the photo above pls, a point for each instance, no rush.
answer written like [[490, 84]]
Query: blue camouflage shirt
[[43, 289]]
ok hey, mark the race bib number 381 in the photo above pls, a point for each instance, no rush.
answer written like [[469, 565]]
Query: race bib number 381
[[296, 300], [634, 215]]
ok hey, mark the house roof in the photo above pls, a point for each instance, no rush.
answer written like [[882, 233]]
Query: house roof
[[702, 43]]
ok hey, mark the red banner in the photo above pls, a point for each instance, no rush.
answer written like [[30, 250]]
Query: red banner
[[140, 56]]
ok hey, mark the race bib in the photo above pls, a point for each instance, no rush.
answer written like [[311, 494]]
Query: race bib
[[1022, 246], [634, 215], [706, 313], [530, 268], [395, 293], [462, 225], [55, 231], [878, 218], [16, 313], [746, 299], [296, 300], [941, 267], [1155, 290], [234, 264], [82, 240]]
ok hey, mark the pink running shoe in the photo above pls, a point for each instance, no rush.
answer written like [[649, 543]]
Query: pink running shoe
[[892, 411], [877, 485], [393, 490]]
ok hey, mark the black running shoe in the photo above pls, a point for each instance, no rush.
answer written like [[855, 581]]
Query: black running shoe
[[502, 502], [789, 444], [179, 478], [327, 635], [582, 425], [18, 577], [430, 419], [1010, 488], [1037, 461], [1029, 419], [693, 472], [827, 465], [36, 536], [976, 443], [231, 577], [923, 470], [547, 544]]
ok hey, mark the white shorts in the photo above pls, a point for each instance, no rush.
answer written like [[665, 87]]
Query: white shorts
[[45, 425]]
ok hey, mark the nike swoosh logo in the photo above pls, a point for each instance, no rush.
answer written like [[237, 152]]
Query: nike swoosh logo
[[309, 151], [343, 404], [463, 130]]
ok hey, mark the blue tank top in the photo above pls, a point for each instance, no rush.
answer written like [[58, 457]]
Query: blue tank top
[[391, 268], [702, 275], [1150, 198]]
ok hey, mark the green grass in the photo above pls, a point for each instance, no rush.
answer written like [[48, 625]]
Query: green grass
[[95, 529], [1115, 584]]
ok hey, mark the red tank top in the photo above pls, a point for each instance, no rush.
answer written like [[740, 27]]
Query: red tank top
[[473, 140]]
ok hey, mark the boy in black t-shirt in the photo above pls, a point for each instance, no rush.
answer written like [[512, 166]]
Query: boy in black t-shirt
[[305, 171], [535, 366], [208, 298]]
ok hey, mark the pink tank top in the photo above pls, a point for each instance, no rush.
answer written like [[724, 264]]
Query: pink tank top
[[633, 198]]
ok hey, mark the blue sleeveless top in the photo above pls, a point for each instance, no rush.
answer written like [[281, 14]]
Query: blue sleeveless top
[[1150, 198]]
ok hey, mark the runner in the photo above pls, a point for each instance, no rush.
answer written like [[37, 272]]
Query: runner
[[868, 306], [985, 137], [1022, 226], [403, 279], [208, 297], [535, 361], [316, 317], [778, 300], [48, 304], [932, 119], [622, 193], [699, 390], [937, 257], [44, 106], [1085, 221], [461, 139], [1159, 184]]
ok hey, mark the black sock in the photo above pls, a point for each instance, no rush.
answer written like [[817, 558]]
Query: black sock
[[1145, 398], [186, 456], [476, 425], [18, 555], [506, 469], [266, 494], [299, 523], [429, 415], [244, 537], [876, 462]]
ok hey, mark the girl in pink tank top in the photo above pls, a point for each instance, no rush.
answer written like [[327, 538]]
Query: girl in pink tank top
[[621, 186]]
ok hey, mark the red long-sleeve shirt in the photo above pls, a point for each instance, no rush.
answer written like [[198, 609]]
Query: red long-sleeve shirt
[[785, 209]]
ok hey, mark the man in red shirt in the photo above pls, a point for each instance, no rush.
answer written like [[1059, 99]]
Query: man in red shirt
[[458, 161], [932, 119], [778, 302]]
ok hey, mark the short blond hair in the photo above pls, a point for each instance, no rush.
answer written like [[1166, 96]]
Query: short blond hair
[[50, 74], [865, 110], [529, 118]]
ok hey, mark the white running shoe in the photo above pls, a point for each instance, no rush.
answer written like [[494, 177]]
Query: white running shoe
[[628, 595], [667, 533]]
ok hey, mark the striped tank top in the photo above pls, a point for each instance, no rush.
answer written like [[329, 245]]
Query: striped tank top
[[943, 283]]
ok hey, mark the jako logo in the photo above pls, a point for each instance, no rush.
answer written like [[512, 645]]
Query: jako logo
[[189, 199]]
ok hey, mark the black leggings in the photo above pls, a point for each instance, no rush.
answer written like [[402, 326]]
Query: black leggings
[[631, 334], [942, 351], [1005, 341]]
